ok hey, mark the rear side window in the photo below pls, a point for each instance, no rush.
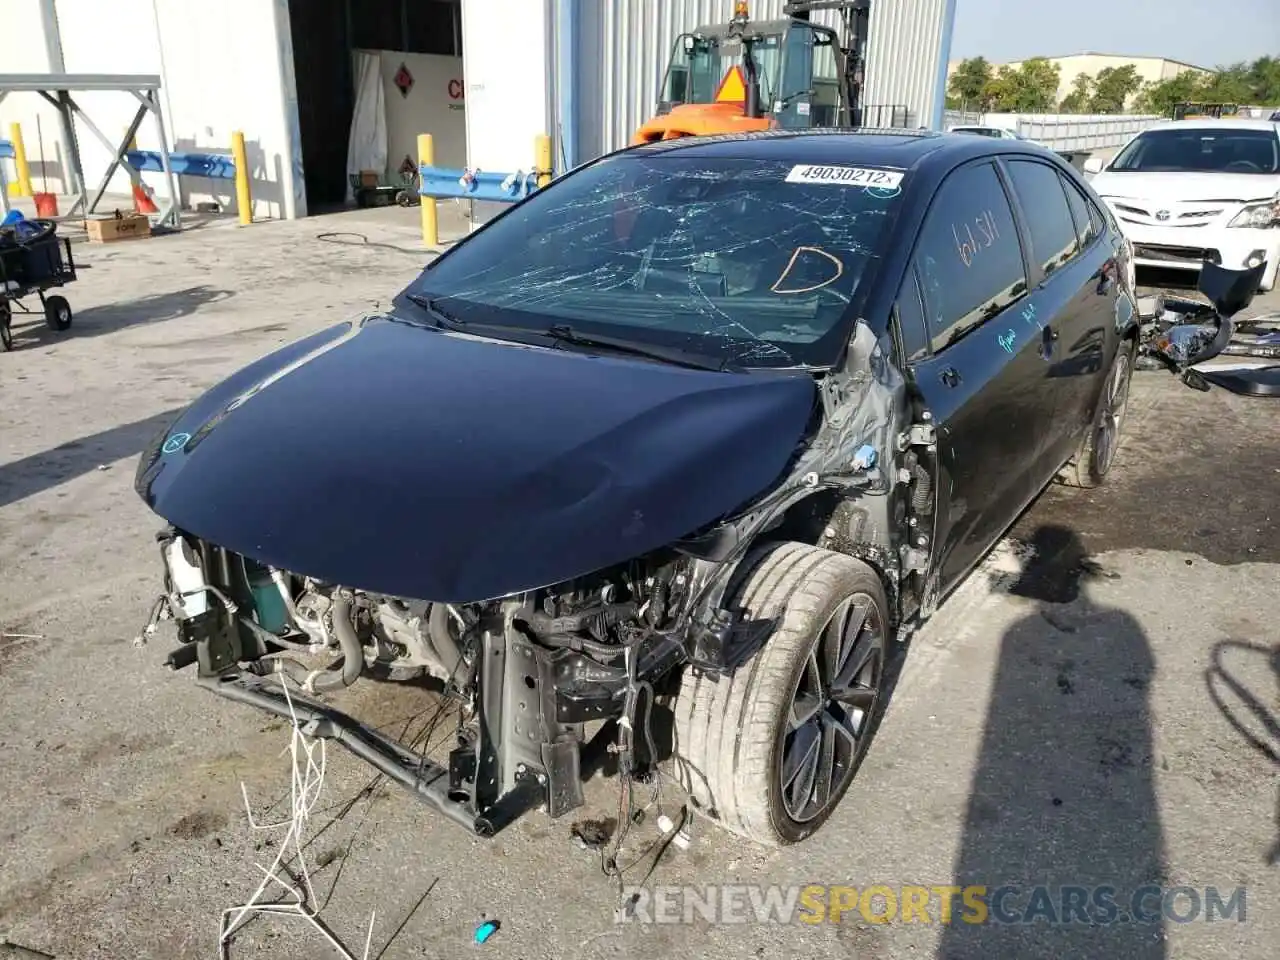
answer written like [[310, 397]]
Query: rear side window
[[968, 255], [1053, 231], [1097, 218], [1088, 221]]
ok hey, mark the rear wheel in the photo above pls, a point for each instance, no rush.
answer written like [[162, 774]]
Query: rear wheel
[[1097, 454], [770, 749], [6, 334]]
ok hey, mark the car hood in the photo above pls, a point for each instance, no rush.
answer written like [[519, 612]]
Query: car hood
[[423, 464], [1186, 187]]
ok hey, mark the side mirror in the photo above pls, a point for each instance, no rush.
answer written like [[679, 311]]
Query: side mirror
[[1093, 165]]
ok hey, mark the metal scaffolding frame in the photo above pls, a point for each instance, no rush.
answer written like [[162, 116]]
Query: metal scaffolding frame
[[57, 90]]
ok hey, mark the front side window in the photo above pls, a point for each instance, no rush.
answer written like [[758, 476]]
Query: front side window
[[723, 256], [968, 255], [911, 320], [1201, 150], [1040, 193]]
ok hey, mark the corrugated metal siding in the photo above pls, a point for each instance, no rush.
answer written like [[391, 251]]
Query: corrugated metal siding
[[623, 46], [905, 55]]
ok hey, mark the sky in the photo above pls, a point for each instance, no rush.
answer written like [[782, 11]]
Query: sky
[[1207, 33]]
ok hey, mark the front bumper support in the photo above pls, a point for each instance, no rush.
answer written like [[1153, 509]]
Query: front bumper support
[[437, 786]]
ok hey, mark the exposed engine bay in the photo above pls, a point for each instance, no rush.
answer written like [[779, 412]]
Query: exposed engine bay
[[544, 663]]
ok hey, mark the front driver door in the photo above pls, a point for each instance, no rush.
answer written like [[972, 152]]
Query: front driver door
[[976, 362]]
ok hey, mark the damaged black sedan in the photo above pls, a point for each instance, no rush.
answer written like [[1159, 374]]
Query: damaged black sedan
[[696, 429]]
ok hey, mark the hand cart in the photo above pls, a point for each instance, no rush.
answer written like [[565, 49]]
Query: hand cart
[[34, 260]]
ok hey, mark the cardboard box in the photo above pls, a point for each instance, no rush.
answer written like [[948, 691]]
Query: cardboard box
[[131, 226]]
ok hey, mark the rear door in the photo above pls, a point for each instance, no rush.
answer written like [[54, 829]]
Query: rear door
[[1072, 313], [976, 363]]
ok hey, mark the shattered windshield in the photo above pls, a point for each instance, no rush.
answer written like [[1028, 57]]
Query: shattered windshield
[[755, 261]]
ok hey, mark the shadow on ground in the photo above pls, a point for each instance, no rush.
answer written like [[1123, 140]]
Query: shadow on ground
[[30, 331], [1251, 714], [50, 468], [1063, 829]]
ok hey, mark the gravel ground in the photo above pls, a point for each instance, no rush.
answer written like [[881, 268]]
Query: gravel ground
[[1096, 705]]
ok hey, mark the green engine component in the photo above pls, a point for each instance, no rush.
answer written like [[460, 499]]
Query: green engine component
[[268, 605]]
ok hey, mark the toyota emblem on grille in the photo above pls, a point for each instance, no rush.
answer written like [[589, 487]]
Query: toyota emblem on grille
[[1162, 214]]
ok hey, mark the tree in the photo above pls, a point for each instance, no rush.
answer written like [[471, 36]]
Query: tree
[[1077, 101], [1113, 88], [1159, 97], [1255, 84], [1264, 80], [1032, 88], [968, 84], [1228, 85]]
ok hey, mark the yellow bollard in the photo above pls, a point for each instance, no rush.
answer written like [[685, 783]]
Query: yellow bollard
[[23, 186], [542, 159], [244, 201], [430, 217]]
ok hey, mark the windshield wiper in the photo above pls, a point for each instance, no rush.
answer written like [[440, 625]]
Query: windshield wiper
[[442, 318], [564, 333], [673, 355]]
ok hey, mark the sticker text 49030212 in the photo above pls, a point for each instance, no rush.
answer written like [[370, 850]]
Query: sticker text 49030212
[[844, 176]]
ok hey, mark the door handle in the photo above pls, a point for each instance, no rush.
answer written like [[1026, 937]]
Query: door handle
[[1048, 338], [950, 377]]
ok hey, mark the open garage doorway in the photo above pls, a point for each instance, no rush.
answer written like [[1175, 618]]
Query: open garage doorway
[[416, 47]]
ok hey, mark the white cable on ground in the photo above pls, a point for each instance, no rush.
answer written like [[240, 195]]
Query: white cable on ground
[[306, 782]]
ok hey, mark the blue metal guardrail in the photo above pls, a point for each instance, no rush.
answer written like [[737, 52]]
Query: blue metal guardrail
[[6, 150], [446, 182], [217, 166]]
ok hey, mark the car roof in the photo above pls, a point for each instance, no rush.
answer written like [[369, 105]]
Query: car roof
[[902, 149], [1209, 123]]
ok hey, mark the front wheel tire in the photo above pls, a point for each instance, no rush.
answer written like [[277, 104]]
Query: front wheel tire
[[770, 749]]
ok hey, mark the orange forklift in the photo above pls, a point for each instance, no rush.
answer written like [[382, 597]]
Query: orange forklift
[[751, 75]]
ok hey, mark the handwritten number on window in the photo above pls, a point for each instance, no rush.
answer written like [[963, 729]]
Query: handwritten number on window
[[972, 238]]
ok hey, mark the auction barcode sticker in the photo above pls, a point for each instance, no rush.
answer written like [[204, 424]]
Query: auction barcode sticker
[[844, 176]]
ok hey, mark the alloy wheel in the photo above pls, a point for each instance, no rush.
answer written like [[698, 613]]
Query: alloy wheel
[[828, 722], [1115, 403]]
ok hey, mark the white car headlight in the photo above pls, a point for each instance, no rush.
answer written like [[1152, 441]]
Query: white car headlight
[[1264, 214]]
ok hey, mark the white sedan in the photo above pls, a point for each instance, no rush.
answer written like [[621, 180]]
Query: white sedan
[[1187, 191]]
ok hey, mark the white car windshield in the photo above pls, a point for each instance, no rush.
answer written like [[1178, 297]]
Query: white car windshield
[[1201, 150]]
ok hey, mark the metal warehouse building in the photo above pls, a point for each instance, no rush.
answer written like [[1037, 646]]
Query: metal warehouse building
[[484, 77]]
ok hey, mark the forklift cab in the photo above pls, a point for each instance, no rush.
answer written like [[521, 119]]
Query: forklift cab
[[783, 71]]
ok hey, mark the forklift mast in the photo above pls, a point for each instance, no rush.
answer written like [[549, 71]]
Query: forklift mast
[[855, 17]]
